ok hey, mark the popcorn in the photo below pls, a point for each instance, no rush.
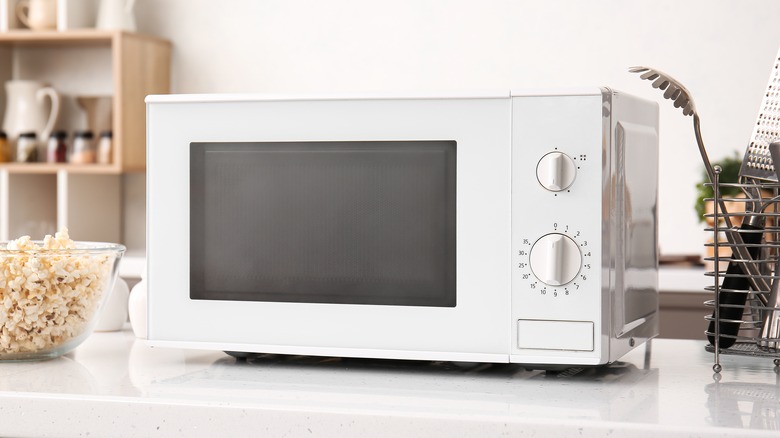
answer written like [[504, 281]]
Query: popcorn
[[49, 293]]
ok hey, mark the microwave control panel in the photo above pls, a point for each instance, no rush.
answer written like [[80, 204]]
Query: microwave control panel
[[557, 150]]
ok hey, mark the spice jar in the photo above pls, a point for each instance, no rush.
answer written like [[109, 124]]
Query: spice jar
[[104, 147], [83, 148], [57, 148], [5, 148], [27, 148]]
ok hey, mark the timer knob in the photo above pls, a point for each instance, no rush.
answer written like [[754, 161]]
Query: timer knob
[[555, 259], [556, 171]]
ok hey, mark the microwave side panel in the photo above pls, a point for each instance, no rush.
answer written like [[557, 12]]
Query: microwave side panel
[[475, 329], [561, 255], [635, 301]]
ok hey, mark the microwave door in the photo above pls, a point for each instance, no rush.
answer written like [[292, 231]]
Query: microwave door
[[350, 227]]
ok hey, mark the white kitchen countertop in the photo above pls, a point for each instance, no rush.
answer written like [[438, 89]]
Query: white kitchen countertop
[[114, 385]]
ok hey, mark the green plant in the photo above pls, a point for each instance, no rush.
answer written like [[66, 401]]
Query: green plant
[[730, 174]]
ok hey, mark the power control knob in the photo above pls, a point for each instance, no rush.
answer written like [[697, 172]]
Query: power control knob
[[556, 171], [555, 259]]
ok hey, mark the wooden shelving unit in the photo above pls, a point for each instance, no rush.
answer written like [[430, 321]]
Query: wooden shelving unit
[[140, 65], [86, 198]]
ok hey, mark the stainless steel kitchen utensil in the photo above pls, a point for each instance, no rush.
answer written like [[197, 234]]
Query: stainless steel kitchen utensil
[[770, 330], [741, 273], [758, 160], [675, 91]]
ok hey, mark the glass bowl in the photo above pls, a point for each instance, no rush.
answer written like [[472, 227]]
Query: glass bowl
[[50, 299]]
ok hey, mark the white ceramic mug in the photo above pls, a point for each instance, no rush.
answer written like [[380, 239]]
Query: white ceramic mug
[[37, 14]]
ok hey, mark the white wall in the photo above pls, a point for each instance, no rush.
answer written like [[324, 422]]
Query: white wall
[[722, 50]]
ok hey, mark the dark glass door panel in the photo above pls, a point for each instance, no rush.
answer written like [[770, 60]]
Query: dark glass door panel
[[324, 222]]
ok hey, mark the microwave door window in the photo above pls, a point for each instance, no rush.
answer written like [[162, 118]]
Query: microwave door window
[[324, 222]]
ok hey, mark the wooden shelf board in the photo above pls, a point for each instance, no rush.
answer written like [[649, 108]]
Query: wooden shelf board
[[71, 37], [50, 168]]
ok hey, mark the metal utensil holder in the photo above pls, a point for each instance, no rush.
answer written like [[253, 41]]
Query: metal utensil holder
[[749, 340]]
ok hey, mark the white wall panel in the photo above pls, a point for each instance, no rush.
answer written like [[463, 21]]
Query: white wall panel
[[722, 50]]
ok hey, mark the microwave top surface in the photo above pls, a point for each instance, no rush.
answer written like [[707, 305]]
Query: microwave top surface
[[401, 95]]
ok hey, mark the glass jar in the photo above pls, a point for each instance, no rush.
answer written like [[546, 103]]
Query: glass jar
[[104, 147], [27, 148], [5, 148], [57, 148], [83, 151]]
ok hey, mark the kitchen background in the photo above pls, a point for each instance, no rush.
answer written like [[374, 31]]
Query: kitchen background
[[722, 50]]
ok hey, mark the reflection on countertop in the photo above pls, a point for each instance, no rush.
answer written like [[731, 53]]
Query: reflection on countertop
[[118, 385], [416, 387], [744, 405]]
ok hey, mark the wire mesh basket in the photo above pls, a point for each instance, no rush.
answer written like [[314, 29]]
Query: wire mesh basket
[[746, 270]]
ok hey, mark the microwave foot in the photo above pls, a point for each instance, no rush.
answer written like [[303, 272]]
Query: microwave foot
[[240, 355], [467, 365]]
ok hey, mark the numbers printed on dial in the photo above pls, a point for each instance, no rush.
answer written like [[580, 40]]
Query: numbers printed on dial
[[556, 264]]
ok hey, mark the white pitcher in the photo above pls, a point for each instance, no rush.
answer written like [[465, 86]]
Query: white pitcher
[[116, 14], [26, 111]]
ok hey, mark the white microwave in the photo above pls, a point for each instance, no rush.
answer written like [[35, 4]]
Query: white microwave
[[498, 227]]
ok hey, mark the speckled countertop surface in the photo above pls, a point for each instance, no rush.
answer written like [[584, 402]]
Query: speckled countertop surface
[[114, 385]]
